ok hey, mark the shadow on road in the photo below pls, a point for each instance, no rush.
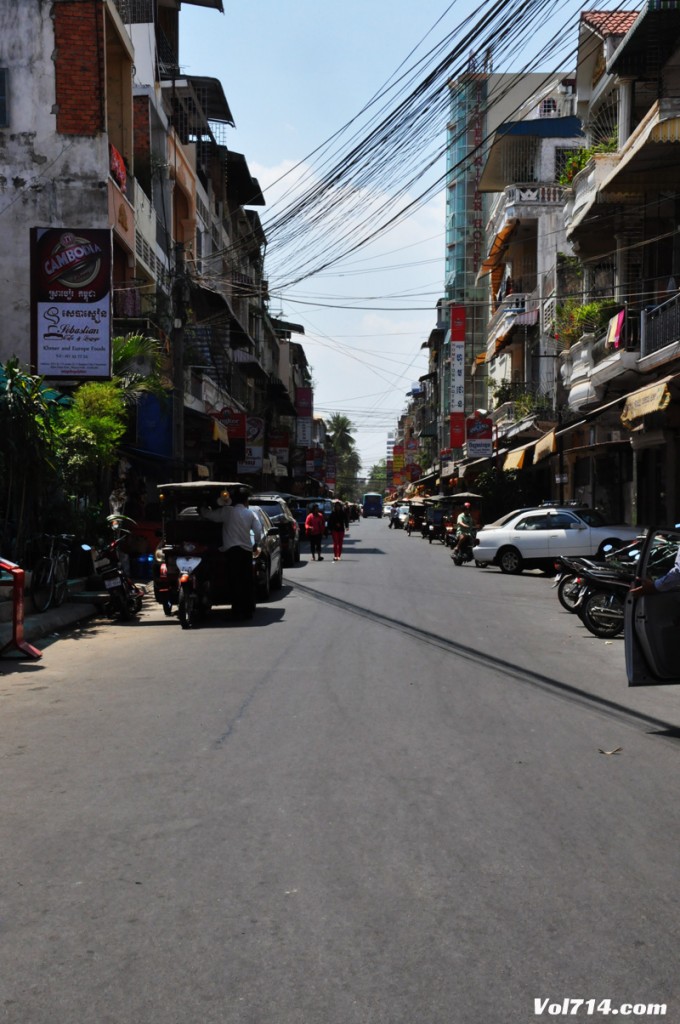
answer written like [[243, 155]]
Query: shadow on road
[[557, 687]]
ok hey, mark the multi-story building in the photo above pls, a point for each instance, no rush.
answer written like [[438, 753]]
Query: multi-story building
[[481, 100], [525, 233], [101, 131], [622, 220]]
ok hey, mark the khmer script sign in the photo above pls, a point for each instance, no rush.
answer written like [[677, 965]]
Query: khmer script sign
[[71, 302]]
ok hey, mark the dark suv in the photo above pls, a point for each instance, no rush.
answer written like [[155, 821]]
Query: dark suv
[[281, 517]]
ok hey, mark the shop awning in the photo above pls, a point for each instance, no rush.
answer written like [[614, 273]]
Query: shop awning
[[546, 445], [515, 458], [498, 247], [653, 398]]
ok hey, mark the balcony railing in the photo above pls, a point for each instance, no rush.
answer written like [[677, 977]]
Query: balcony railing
[[661, 326]]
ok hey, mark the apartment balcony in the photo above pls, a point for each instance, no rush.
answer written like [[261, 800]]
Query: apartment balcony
[[523, 201], [660, 332], [150, 254], [591, 364], [519, 309], [585, 189]]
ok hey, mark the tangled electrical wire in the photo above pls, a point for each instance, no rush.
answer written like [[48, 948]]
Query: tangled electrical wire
[[386, 162]]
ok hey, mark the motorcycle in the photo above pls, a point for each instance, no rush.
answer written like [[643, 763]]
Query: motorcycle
[[125, 597], [601, 603], [466, 551]]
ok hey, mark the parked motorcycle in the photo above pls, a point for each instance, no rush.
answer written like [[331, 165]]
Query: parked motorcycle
[[125, 597], [601, 603]]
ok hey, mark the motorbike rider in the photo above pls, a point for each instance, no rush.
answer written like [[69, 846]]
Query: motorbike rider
[[239, 525], [465, 529]]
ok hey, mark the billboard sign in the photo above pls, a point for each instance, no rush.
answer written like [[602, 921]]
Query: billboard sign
[[71, 290], [479, 430]]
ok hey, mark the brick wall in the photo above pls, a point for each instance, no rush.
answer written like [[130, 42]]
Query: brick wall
[[79, 67]]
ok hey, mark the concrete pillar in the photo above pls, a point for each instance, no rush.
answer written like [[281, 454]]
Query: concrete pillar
[[625, 109]]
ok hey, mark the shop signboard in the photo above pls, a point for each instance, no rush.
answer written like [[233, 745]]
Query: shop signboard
[[479, 430], [71, 291]]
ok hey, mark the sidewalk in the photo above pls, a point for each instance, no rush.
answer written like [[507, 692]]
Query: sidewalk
[[78, 606]]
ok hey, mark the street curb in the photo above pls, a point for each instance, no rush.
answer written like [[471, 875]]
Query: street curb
[[52, 621]]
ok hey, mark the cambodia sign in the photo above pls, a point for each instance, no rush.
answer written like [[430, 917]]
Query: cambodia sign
[[479, 432], [71, 302]]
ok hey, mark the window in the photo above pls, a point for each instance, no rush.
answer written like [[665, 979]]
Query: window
[[4, 98], [563, 521], [534, 523], [548, 107]]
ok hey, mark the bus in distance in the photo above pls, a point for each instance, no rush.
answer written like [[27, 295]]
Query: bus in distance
[[372, 505]]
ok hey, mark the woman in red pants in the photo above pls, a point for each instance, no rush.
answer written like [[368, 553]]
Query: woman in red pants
[[336, 525]]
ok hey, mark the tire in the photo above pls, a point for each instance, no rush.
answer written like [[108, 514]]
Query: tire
[[187, 608], [42, 587], [61, 579], [167, 608], [296, 554], [481, 565], [602, 614], [567, 592], [510, 561], [277, 580]]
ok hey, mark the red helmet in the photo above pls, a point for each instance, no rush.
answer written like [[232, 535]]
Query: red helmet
[[466, 505]]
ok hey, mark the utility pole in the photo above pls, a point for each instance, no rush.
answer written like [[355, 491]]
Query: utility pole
[[179, 307]]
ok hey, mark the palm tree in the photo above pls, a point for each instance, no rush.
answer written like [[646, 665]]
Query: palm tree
[[340, 434], [137, 362], [342, 442]]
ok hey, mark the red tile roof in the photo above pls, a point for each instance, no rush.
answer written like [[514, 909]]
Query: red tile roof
[[610, 23]]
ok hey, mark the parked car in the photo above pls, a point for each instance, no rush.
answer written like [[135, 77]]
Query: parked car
[[267, 562], [534, 538], [289, 529]]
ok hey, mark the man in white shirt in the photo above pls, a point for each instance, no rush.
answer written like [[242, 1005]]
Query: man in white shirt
[[240, 526]]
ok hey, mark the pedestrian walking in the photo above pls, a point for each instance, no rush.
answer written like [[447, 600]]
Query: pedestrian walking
[[315, 527], [336, 525]]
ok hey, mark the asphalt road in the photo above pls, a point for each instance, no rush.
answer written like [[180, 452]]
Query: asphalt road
[[386, 799]]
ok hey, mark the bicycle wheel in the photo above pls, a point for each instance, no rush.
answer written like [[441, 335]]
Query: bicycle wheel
[[42, 584], [61, 578]]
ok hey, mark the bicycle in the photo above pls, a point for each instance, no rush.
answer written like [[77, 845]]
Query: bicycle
[[49, 579]]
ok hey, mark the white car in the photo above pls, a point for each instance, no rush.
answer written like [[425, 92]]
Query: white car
[[534, 538]]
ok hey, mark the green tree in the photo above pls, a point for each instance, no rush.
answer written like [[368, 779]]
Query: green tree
[[27, 452], [341, 440], [377, 476], [137, 362], [89, 433]]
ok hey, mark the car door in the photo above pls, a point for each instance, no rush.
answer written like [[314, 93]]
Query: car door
[[569, 536], [531, 535], [652, 623]]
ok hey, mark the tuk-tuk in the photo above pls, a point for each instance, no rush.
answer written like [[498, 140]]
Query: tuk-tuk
[[416, 518], [190, 571]]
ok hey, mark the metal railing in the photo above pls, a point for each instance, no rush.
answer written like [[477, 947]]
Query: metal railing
[[660, 326]]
